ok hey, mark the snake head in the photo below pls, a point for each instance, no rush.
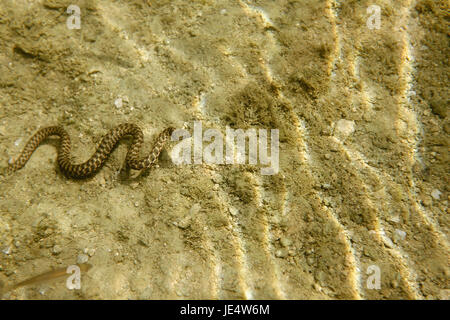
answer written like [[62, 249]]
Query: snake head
[[170, 130]]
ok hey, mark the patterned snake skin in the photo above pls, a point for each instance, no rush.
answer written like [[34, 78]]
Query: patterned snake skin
[[91, 166]]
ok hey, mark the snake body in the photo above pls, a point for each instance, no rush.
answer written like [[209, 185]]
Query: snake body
[[106, 146]]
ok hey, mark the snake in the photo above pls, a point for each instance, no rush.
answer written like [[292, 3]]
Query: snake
[[97, 160]]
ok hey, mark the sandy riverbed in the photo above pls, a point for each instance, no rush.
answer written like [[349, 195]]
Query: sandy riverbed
[[363, 127]]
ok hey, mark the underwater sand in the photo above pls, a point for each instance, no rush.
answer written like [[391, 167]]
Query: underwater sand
[[364, 131]]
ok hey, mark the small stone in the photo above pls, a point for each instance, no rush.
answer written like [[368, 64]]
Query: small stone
[[233, 211], [118, 103], [6, 250], [436, 194], [320, 276], [310, 261], [344, 128], [281, 253], [285, 242], [17, 142], [334, 147], [326, 186], [134, 185], [394, 284], [82, 258], [388, 242], [395, 219], [102, 181], [217, 179], [57, 249], [368, 252], [185, 222], [399, 235], [195, 209]]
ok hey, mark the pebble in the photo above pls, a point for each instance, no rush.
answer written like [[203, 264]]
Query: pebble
[[394, 284], [17, 142], [395, 219], [326, 186], [82, 258], [195, 209], [281, 253], [344, 128], [399, 234], [118, 103], [185, 222], [436, 194], [388, 242], [57, 249], [233, 211], [217, 179], [285, 242], [89, 252], [134, 185]]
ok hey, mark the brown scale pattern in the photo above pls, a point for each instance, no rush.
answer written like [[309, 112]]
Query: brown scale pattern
[[91, 166]]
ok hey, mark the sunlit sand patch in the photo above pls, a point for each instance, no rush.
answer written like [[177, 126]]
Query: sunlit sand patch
[[350, 254], [241, 260], [268, 238], [306, 158], [300, 129], [267, 70], [409, 116], [305, 153], [285, 205], [255, 11], [274, 48], [358, 160], [406, 123], [176, 275], [215, 267], [355, 277], [337, 53]]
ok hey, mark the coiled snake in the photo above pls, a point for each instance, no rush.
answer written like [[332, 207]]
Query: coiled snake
[[106, 146]]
